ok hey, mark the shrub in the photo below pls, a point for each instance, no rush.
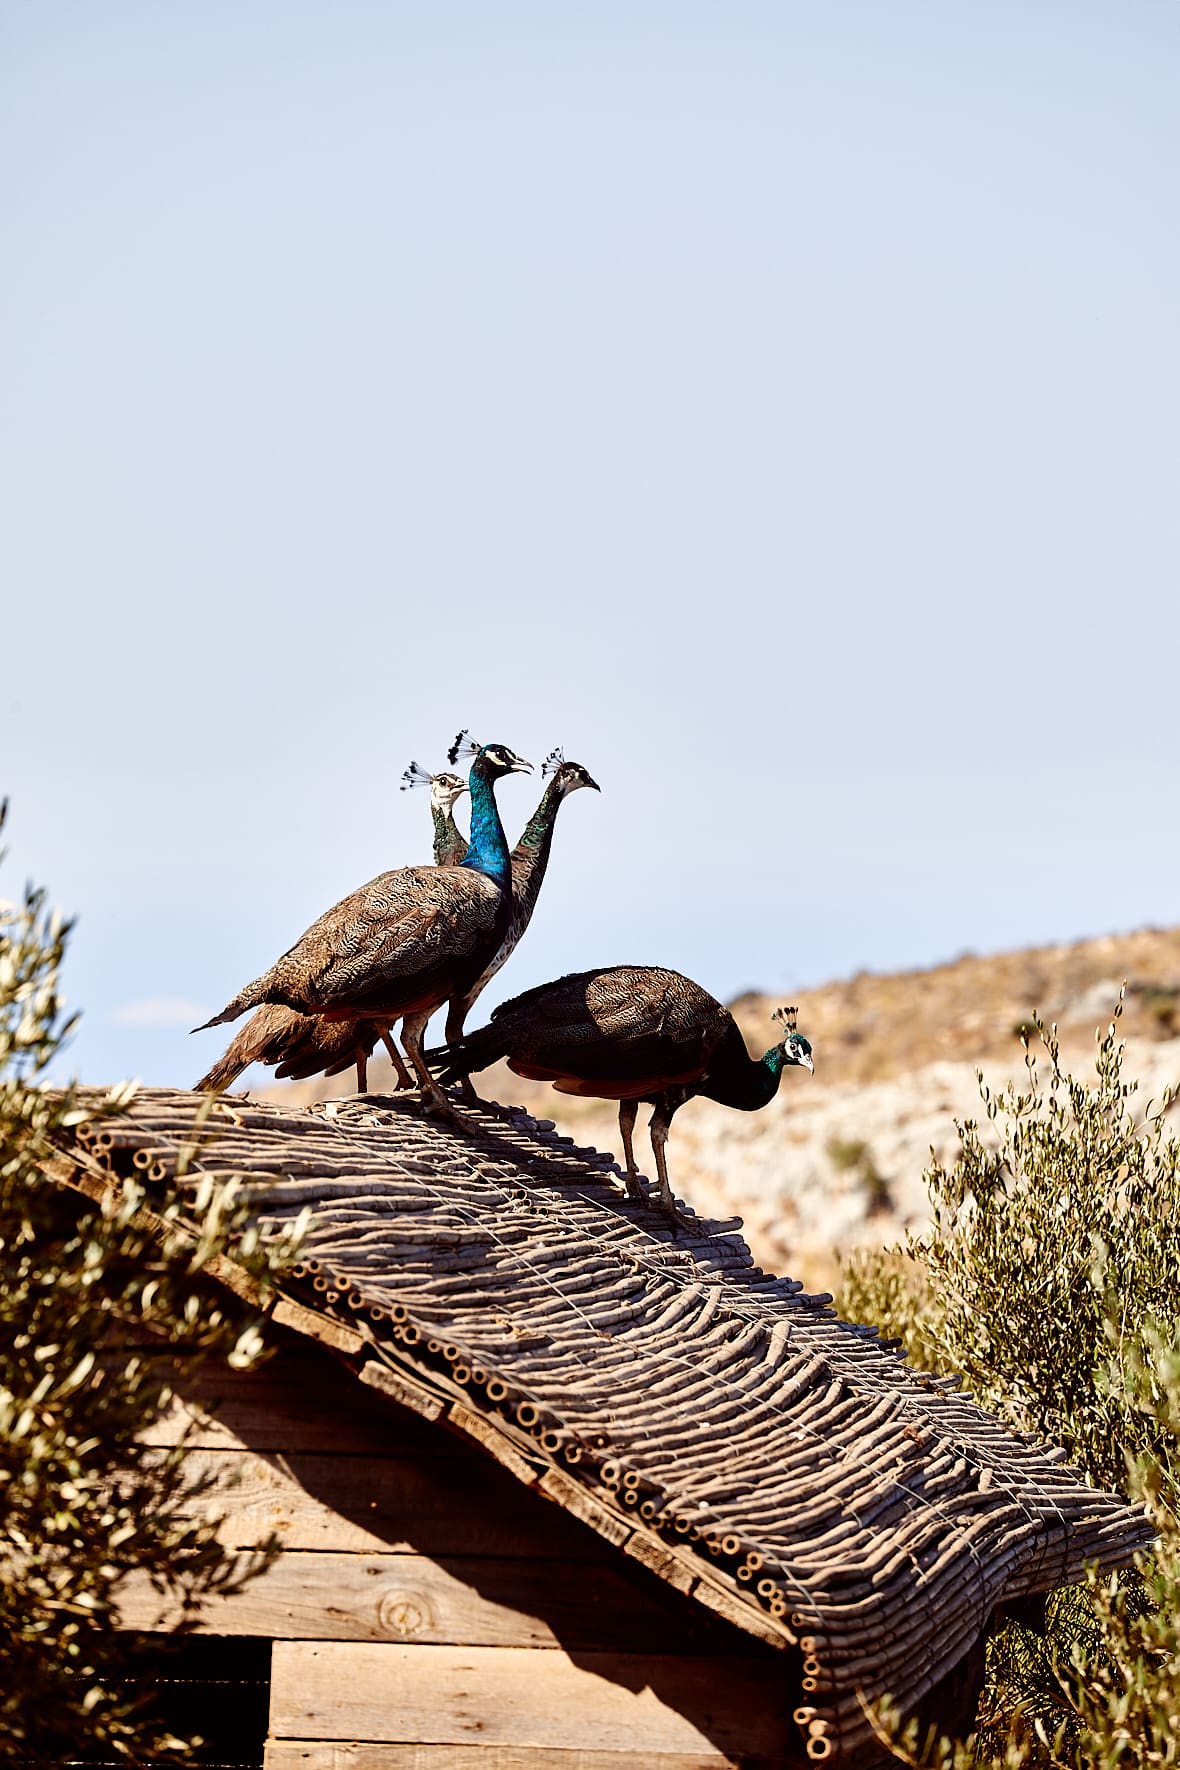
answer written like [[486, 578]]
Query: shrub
[[84, 1506], [1050, 1281]]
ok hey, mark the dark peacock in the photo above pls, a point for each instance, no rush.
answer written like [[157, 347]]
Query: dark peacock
[[530, 858], [630, 1033], [408, 940], [299, 1045]]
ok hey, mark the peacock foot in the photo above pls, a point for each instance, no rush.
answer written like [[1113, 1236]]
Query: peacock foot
[[435, 1105], [636, 1188], [679, 1214]]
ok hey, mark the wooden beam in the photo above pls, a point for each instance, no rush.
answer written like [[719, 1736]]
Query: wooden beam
[[639, 1703], [402, 1389], [574, 1498], [315, 1326], [497, 1443], [743, 1614], [309, 1754]]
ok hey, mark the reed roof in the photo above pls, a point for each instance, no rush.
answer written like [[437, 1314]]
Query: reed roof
[[784, 1468]]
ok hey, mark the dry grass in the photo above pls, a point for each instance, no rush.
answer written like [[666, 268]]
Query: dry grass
[[872, 1027]]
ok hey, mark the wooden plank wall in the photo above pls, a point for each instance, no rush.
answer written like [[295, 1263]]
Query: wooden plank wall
[[430, 1612]]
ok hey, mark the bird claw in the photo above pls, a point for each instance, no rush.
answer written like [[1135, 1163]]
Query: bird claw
[[681, 1214], [437, 1106]]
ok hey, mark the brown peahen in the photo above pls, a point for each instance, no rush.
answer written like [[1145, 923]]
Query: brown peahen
[[630, 1033], [408, 940], [299, 1045], [450, 844]]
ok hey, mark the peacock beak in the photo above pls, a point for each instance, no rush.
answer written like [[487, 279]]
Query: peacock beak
[[589, 783], [808, 1061], [520, 766]]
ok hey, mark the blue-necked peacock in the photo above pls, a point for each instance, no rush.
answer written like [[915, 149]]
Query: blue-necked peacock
[[408, 940], [630, 1033], [298, 1045]]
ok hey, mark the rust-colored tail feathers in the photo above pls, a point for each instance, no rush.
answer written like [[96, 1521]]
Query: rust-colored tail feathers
[[267, 1037]]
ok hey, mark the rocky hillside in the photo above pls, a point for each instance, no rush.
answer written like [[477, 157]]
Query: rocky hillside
[[836, 1161]]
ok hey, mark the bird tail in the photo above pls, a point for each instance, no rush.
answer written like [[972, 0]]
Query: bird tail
[[229, 1065], [326, 1047], [266, 1037], [478, 1050], [250, 997]]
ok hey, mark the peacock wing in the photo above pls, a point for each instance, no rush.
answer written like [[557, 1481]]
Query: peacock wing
[[624, 1022], [630, 1002], [402, 924]]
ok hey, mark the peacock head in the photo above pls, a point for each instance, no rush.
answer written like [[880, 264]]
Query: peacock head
[[491, 760], [567, 776], [445, 788], [795, 1048]]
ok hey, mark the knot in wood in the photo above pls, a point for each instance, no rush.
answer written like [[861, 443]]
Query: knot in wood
[[403, 1613]]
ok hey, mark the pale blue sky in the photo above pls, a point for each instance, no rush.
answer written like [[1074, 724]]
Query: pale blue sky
[[774, 404]]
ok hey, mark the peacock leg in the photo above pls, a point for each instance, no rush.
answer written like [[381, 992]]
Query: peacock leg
[[628, 1111], [431, 1095], [453, 1037], [362, 1067], [661, 1120], [395, 1057]]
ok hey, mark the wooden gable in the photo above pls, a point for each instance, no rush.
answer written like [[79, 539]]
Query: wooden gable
[[429, 1612]]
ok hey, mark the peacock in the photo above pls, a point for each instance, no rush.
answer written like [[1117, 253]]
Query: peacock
[[450, 844], [300, 1045], [530, 858], [408, 940], [630, 1033]]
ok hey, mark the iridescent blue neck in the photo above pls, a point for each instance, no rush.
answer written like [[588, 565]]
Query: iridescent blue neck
[[487, 850]]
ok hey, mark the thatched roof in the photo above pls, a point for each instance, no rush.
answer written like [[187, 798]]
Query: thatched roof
[[724, 1428]]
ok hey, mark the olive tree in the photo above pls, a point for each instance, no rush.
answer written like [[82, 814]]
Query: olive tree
[[84, 1505], [1049, 1281]]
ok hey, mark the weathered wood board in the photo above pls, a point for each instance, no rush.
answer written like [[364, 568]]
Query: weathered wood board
[[315, 1755], [451, 1501], [491, 1602], [302, 1399], [431, 1695]]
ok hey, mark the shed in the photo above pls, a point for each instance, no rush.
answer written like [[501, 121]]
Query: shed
[[561, 1488]]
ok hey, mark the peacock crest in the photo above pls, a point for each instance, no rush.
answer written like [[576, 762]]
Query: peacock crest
[[787, 1018], [416, 776], [463, 746], [553, 761]]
